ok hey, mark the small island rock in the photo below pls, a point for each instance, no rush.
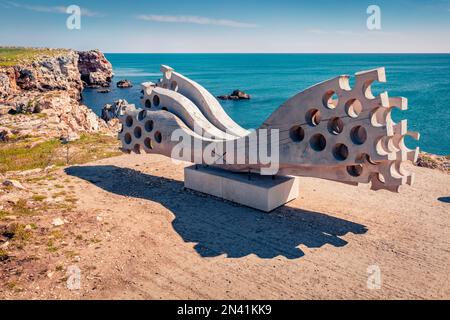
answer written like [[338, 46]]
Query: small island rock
[[124, 84], [103, 91], [235, 95]]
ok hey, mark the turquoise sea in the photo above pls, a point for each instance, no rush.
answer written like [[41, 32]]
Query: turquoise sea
[[273, 78]]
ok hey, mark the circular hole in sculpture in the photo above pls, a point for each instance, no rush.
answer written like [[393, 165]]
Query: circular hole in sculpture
[[137, 148], [141, 115], [355, 170], [148, 104], [158, 137], [127, 138], [330, 99], [156, 100], [148, 143], [372, 89], [340, 152], [165, 109], [297, 133], [137, 132], [358, 135], [369, 159], [149, 126], [312, 117], [129, 121], [353, 107], [174, 85], [346, 83], [335, 125], [318, 142]]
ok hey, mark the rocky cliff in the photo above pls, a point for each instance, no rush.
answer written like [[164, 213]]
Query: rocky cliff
[[40, 95], [95, 70]]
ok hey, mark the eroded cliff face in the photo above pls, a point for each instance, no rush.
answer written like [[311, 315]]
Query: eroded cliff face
[[95, 70], [42, 97], [8, 83]]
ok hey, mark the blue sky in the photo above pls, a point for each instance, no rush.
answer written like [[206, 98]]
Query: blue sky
[[229, 26]]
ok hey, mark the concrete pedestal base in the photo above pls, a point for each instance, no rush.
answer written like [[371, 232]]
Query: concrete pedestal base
[[252, 190]]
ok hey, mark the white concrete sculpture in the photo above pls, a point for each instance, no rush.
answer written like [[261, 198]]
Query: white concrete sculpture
[[329, 131]]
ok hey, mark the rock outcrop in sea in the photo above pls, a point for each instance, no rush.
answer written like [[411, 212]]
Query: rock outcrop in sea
[[124, 84], [118, 108], [42, 96], [235, 95]]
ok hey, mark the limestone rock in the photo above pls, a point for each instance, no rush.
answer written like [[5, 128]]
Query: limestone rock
[[58, 222], [432, 161], [116, 109], [41, 98], [51, 73], [13, 183], [103, 91], [235, 95], [7, 81], [5, 134], [124, 84], [113, 127], [240, 94], [94, 68]]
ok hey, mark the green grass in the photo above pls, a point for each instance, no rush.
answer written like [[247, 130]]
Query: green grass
[[22, 156], [27, 154], [3, 255], [20, 208], [14, 56], [19, 233], [3, 214], [59, 194], [38, 197]]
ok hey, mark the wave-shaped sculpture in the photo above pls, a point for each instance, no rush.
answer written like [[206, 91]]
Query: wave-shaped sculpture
[[329, 131]]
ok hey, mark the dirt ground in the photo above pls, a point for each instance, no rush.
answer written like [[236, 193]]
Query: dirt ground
[[136, 233]]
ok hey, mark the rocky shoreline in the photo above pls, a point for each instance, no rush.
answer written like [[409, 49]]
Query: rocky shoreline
[[433, 161], [41, 97]]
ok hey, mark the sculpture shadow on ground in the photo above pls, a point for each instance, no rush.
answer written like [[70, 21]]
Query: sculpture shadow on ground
[[220, 227], [444, 199]]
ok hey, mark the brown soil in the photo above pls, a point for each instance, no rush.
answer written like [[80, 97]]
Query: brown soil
[[135, 232]]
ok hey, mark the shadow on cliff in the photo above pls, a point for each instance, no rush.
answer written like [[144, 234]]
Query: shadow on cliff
[[219, 227]]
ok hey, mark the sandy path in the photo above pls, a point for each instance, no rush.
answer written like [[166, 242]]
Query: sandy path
[[167, 242]]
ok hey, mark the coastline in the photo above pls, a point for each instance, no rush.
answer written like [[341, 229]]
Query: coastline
[[272, 79], [68, 197], [41, 97]]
